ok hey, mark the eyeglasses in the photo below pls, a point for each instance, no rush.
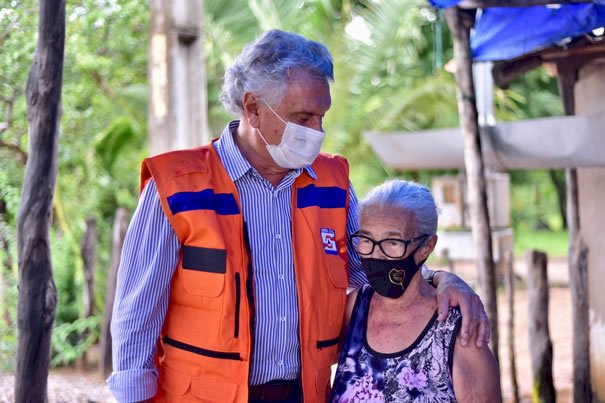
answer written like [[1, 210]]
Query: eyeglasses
[[392, 247]]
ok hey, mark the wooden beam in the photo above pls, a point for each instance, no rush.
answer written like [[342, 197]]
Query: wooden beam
[[580, 48], [473, 4], [505, 72]]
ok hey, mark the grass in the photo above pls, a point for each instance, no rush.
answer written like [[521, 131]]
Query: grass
[[553, 243]]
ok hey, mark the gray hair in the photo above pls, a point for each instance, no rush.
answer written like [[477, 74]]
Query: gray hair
[[263, 68], [406, 196]]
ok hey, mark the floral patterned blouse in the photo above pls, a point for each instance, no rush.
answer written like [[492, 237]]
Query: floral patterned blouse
[[420, 373]]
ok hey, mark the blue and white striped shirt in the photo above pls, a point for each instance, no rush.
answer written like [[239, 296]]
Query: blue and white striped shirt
[[150, 257]]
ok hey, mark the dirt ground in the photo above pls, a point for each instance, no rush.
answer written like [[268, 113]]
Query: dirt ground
[[560, 325], [68, 385]]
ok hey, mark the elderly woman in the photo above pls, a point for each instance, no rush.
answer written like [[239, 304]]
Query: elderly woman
[[395, 350]]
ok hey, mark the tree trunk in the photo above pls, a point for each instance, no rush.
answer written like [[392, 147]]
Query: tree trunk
[[37, 292], [509, 285], [120, 226], [88, 251], [543, 389], [178, 115], [460, 23], [559, 185]]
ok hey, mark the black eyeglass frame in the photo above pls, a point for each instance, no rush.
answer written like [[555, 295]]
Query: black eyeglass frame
[[406, 243]]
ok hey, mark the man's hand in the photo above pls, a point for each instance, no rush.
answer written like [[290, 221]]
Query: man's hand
[[453, 291]]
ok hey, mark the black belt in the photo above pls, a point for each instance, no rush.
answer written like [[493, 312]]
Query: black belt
[[274, 391]]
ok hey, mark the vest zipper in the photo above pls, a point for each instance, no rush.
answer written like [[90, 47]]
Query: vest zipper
[[201, 351], [250, 289], [327, 343], [237, 303]]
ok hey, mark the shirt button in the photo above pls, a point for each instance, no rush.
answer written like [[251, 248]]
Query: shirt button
[[280, 362], [283, 318], [281, 276], [278, 236]]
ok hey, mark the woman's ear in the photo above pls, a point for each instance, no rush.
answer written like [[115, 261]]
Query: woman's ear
[[428, 246], [251, 104]]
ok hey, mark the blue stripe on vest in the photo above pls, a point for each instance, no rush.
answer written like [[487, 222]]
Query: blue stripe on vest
[[324, 197], [222, 203]]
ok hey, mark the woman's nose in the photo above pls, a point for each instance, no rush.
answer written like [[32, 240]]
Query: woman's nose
[[377, 253]]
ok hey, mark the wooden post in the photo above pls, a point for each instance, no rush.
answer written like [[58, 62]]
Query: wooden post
[[37, 292], [543, 389], [177, 78], [576, 256], [460, 23], [120, 225], [509, 285], [88, 251], [578, 285]]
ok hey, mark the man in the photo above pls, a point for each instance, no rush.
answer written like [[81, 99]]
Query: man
[[236, 263]]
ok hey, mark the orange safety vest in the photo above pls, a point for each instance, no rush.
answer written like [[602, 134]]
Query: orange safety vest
[[206, 342]]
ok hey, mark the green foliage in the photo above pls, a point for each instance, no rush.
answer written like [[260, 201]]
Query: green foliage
[[71, 340], [553, 243], [65, 261], [102, 142], [534, 202], [385, 80], [8, 321]]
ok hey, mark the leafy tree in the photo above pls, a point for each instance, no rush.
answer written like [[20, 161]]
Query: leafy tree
[[537, 196], [385, 80]]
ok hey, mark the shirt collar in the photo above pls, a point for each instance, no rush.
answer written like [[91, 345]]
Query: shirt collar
[[232, 158]]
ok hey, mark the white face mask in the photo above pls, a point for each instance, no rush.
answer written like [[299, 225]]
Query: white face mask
[[299, 145]]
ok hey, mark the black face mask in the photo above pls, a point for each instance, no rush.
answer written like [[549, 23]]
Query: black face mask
[[390, 278]]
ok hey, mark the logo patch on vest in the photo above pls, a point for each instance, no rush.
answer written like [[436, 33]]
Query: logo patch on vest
[[328, 239]]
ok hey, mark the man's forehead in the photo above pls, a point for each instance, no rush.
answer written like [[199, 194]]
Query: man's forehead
[[308, 96]]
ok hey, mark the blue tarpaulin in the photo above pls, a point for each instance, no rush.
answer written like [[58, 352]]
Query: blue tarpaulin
[[506, 33]]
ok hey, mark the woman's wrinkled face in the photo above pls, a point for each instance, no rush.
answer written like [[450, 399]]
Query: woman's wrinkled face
[[380, 223]]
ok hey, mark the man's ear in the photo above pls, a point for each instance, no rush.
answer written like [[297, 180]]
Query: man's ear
[[251, 113]]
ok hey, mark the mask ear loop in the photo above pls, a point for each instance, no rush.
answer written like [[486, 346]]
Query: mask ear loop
[[261, 136], [275, 113], [422, 244]]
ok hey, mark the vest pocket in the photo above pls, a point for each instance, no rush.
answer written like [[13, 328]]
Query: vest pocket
[[179, 386], [174, 383], [203, 270]]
